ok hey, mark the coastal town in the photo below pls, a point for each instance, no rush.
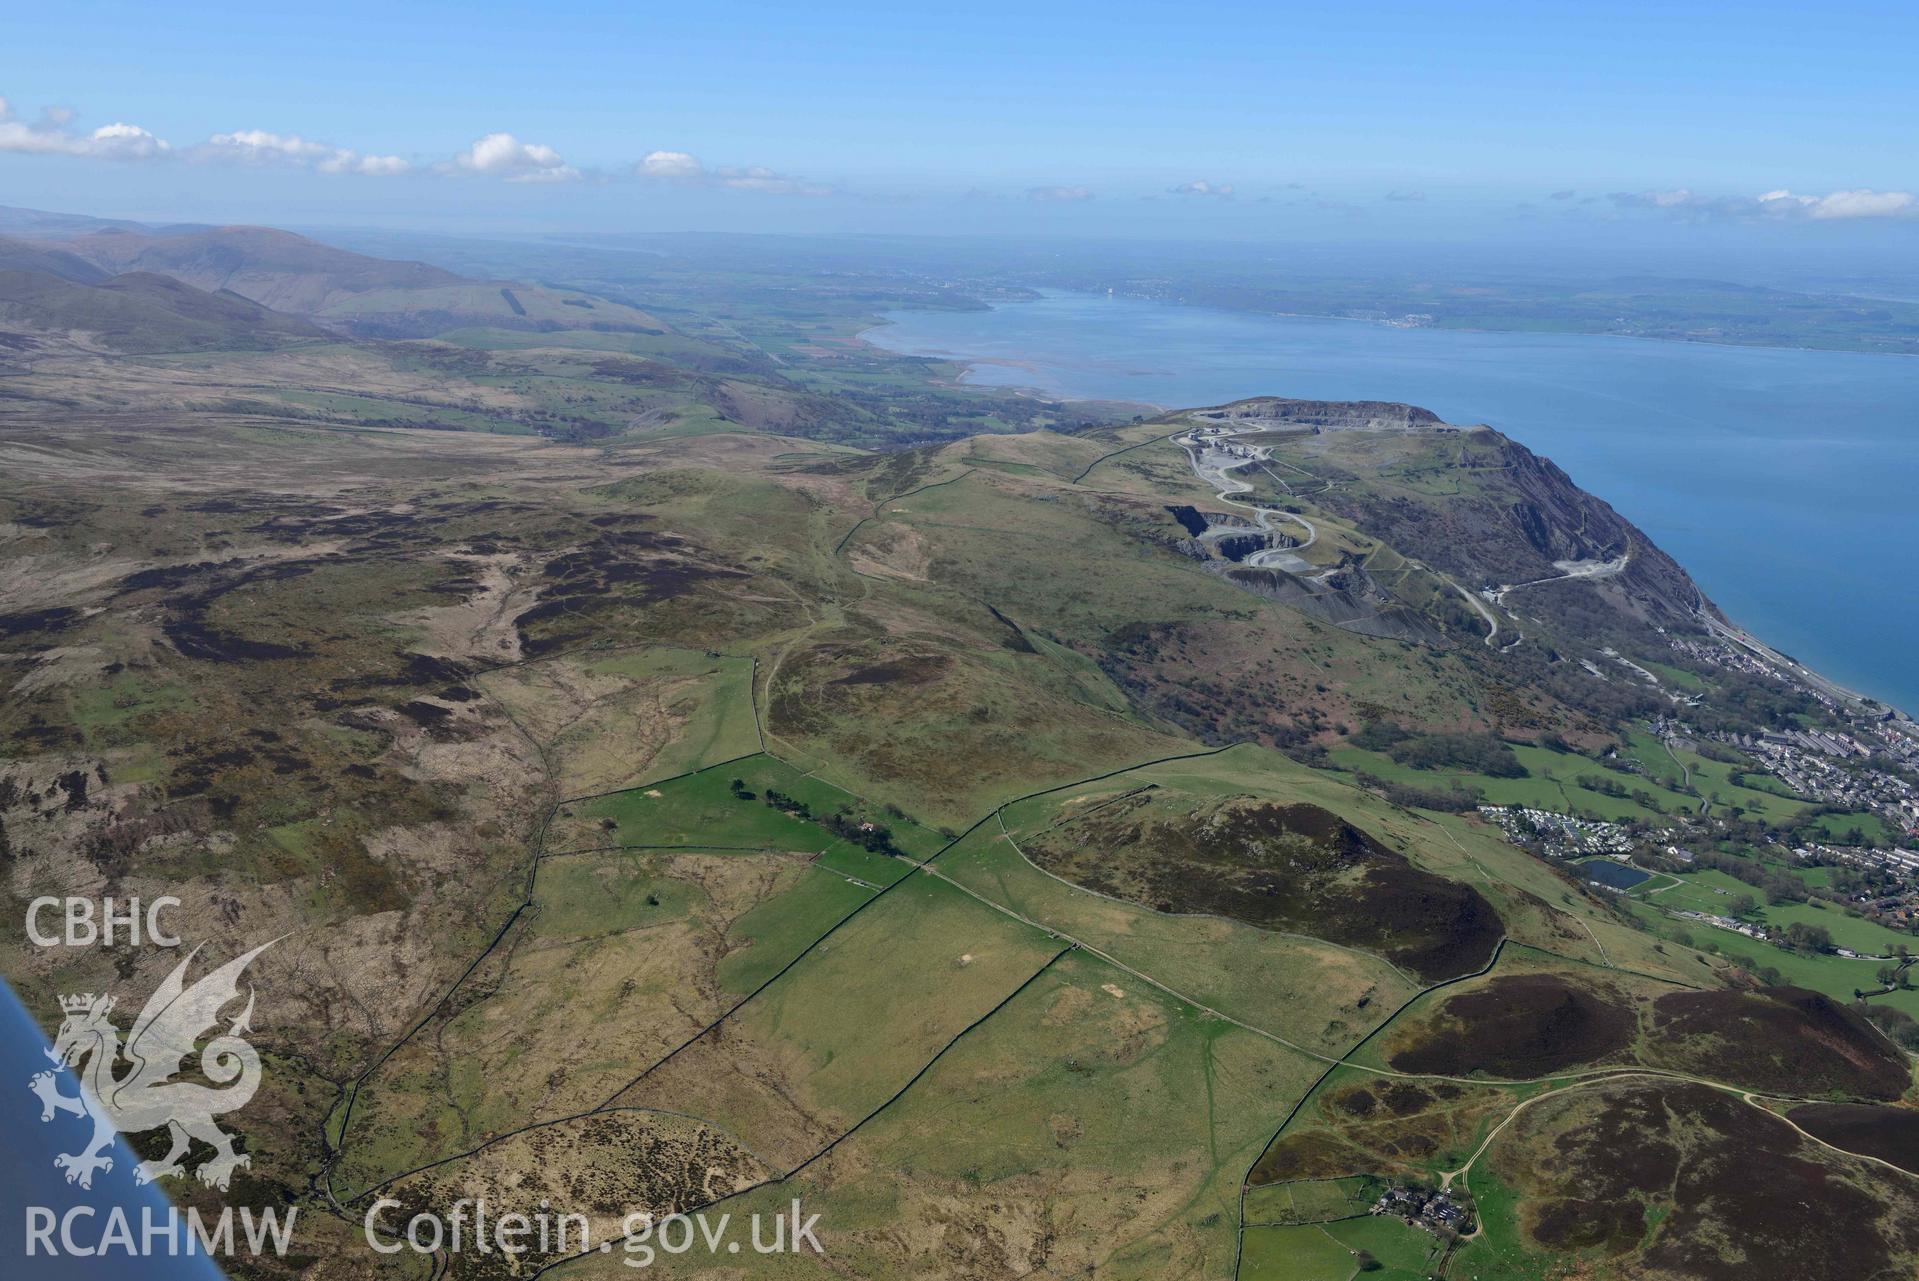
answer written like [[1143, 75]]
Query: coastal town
[[1860, 770]]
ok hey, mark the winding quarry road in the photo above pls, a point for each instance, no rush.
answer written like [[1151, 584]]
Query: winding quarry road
[[1492, 623], [1206, 453], [1573, 569], [1213, 465]]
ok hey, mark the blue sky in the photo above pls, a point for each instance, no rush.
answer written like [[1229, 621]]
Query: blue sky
[[1446, 119]]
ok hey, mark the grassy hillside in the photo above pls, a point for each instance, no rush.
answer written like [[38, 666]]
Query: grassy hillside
[[292, 274], [663, 803], [140, 312]]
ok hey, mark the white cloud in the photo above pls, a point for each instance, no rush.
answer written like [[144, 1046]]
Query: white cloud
[[1201, 187], [761, 179], [1679, 198], [256, 147], [1058, 195], [1858, 203], [682, 167], [672, 165], [1842, 204], [516, 161], [51, 135], [498, 154], [381, 166]]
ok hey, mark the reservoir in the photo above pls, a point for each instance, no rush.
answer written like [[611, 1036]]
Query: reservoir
[[1618, 876], [1785, 481]]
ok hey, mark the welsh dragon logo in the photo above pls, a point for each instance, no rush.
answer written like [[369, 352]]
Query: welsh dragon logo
[[131, 1089]]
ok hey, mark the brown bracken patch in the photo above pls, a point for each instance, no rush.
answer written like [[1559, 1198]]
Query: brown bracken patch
[[1516, 1026], [1744, 1195], [1288, 867], [1778, 1038], [1891, 1134], [1377, 1126], [1311, 1154], [625, 567], [911, 669]]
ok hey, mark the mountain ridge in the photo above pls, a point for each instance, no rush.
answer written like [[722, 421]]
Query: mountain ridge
[[296, 275]]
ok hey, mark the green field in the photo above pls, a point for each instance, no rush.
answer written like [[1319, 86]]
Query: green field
[[1309, 1253], [1499, 1252], [1404, 1253], [1868, 938], [719, 722], [848, 1025], [1303, 1201], [1305, 990], [1551, 784], [621, 933], [780, 929], [702, 809], [1839, 828], [1708, 890], [1712, 891], [1837, 976], [1766, 798]]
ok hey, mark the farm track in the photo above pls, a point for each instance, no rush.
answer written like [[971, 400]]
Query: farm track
[[1750, 1097]]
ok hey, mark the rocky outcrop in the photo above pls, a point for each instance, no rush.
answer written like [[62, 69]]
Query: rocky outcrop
[[1322, 415], [1562, 522], [1237, 547], [1519, 518], [1348, 599]]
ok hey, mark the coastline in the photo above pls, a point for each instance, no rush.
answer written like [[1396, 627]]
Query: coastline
[[1381, 323], [1725, 579]]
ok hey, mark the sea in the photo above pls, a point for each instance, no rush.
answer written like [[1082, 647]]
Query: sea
[[1786, 481]]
